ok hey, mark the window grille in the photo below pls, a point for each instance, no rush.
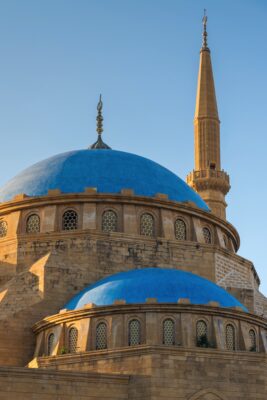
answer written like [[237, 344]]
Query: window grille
[[101, 336], [109, 221], [207, 235], [230, 337], [134, 332], [147, 225], [50, 344], [180, 230], [33, 224], [70, 220], [168, 332], [253, 343], [225, 239], [3, 229], [202, 334], [73, 339]]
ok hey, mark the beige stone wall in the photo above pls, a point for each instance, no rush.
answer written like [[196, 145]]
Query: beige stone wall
[[237, 275], [52, 268], [235, 272], [24, 384], [179, 374], [260, 303], [40, 272]]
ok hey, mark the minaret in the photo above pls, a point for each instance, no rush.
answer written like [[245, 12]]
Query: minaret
[[207, 178]]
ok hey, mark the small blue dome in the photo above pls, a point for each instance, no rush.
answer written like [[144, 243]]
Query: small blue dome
[[107, 170], [166, 285]]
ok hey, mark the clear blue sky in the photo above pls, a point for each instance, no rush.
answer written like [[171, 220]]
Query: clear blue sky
[[142, 55]]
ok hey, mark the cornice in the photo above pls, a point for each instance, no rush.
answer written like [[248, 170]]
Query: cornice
[[98, 311], [66, 375], [150, 350]]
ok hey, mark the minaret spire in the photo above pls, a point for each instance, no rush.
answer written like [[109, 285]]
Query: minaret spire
[[207, 178], [99, 144]]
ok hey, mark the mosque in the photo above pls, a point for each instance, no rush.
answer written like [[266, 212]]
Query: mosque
[[118, 280]]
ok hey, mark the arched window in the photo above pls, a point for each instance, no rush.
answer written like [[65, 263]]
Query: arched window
[[73, 339], [33, 224], [168, 332], [50, 344], [253, 342], [180, 229], [134, 332], [207, 235], [3, 228], [202, 334], [147, 226], [69, 220], [101, 336], [230, 337], [109, 221]]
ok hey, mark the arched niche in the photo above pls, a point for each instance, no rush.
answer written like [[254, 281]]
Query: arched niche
[[207, 394]]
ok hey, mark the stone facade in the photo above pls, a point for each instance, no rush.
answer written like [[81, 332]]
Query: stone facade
[[164, 373], [42, 271], [23, 383]]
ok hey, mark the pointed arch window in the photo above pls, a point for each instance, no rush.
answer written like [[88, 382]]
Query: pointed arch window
[[147, 225], [73, 340], [101, 336], [202, 334], [180, 229], [230, 337], [70, 220], [134, 332], [168, 332], [33, 224], [50, 344], [109, 221], [207, 235], [253, 342]]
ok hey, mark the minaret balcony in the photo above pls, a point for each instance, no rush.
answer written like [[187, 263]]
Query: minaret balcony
[[209, 179]]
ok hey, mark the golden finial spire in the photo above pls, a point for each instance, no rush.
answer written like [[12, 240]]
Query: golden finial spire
[[204, 34], [99, 118], [99, 144]]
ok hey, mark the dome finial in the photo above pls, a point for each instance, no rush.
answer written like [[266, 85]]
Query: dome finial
[[99, 144], [205, 34], [99, 117]]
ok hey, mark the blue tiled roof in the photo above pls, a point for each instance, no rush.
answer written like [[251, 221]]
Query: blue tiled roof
[[107, 170], [166, 285]]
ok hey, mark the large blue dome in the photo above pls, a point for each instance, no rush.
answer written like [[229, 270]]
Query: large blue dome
[[166, 285], [107, 170]]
